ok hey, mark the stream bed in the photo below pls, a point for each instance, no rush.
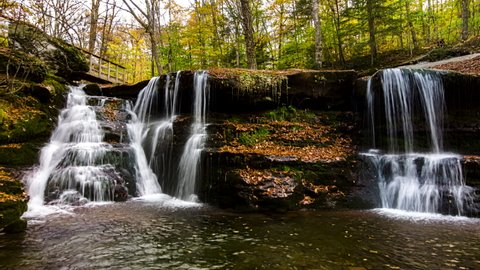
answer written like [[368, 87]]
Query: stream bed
[[167, 234]]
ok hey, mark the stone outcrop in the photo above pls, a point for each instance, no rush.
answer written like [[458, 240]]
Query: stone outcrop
[[283, 159], [236, 90], [61, 59]]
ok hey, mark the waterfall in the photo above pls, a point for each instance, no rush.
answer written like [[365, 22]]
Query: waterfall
[[157, 112], [138, 130], [77, 165], [422, 182], [190, 159]]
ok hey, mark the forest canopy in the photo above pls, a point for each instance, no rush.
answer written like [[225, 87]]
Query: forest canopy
[[151, 37]]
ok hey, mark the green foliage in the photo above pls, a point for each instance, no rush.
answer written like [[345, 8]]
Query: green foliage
[[209, 34], [291, 114], [252, 138]]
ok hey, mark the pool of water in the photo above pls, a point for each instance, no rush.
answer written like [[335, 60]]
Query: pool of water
[[154, 235]]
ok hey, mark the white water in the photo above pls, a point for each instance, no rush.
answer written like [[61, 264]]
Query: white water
[[138, 128], [72, 165], [420, 182], [189, 163]]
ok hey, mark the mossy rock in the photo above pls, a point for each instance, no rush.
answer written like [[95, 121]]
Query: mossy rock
[[13, 203], [23, 119], [61, 58], [21, 66], [20, 154]]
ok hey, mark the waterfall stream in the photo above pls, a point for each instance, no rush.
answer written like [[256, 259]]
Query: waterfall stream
[[190, 159], [77, 165], [408, 180], [81, 163]]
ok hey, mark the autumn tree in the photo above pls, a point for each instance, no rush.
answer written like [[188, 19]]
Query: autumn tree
[[248, 33], [94, 10], [149, 18], [318, 35], [465, 14]]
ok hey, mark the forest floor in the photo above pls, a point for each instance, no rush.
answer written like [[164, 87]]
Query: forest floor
[[468, 66]]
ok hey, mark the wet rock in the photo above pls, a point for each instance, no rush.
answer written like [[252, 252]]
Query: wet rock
[[264, 190], [70, 197], [121, 91], [92, 89], [120, 193], [17, 226], [238, 90]]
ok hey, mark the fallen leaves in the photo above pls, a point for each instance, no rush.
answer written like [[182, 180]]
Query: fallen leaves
[[471, 66], [306, 142], [269, 183]]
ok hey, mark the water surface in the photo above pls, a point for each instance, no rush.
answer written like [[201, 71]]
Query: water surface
[[156, 235]]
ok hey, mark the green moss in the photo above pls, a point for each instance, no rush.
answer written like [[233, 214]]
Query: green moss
[[13, 203], [21, 66], [23, 154], [291, 114], [23, 122], [252, 138], [57, 84]]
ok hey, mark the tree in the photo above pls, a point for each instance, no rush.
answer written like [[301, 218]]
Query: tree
[[248, 33], [92, 37], [149, 19], [411, 27], [318, 35], [371, 30], [465, 14]]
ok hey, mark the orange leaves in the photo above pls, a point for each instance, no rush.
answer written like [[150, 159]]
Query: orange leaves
[[269, 183], [471, 66], [306, 142]]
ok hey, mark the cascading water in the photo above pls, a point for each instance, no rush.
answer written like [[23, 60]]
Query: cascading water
[[138, 129], [157, 112], [422, 182], [190, 159], [77, 165]]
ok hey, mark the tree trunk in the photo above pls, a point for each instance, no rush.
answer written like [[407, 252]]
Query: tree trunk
[[318, 35], [248, 32], [410, 25], [339, 37], [93, 25], [280, 31], [216, 36], [465, 14], [371, 31]]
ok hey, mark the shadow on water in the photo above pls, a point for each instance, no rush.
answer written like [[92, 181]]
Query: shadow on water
[[144, 235]]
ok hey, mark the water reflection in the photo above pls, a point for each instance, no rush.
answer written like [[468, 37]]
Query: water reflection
[[139, 235]]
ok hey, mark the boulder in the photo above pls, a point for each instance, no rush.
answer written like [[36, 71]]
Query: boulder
[[60, 57], [18, 65], [125, 91]]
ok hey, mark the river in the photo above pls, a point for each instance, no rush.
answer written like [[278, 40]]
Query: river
[[169, 234]]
